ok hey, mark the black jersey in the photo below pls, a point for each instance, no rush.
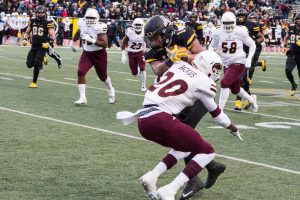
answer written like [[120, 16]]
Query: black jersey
[[294, 38], [183, 38], [197, 27], [39, 30], [253, 29]]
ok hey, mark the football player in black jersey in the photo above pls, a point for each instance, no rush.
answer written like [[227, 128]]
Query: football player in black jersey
[[43, 35], [197, 27], [250, 22], [161, 34], [293, 54]]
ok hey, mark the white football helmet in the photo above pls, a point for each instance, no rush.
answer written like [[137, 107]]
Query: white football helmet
[[209, 63], [138, 24], [228, 21], [24, 15], [91, 17], [2, 14]]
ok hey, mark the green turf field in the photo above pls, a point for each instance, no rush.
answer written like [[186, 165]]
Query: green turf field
[[52, 149]]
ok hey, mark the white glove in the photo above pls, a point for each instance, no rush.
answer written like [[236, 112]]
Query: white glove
[[88, 38], [236, 134], [248, 63], [72, 46], [124, 57]]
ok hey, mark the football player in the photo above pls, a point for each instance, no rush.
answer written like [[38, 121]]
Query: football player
[[159, 35], [43, 35], [93, 34], [187, 84], [293, 58], [249, 21], [197, 27], [134, 38], [231, 38]]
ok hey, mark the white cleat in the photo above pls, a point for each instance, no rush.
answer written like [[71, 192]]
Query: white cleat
[[80, 102], [111, 95], [254, 104], [149, 185], [143, 89], [166, 193]]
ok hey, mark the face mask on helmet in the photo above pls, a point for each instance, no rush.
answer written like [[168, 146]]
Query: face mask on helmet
[[253, 17], [228, 21], [138, 25], [91, 17], [241, 16], [209, 63], [158, 33], [40, 12]]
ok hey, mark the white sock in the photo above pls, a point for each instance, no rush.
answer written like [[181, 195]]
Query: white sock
[[108, 84], [81, 88], [179, 181], [159, 169], [224, 94], [243, 94], [143, 78]]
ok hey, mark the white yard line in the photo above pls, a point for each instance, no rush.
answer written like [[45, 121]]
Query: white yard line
[[134, 80], [266, 81], [71, 79], [8, 79], [139, 138]]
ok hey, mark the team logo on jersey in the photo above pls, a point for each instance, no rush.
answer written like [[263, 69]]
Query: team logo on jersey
[[229, 38]]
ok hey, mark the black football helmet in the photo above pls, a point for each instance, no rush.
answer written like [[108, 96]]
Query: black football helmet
[[297, 18], [40, 12], [253, 17], [193, 17], [241, 16], [159, 31]]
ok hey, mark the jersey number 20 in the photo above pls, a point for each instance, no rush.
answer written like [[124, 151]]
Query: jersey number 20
[[171, 88]]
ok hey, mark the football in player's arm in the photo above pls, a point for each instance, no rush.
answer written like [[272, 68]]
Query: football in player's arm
[[43, 35]]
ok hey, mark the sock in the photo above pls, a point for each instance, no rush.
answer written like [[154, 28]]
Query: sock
[[159, 169], [36, 73], [81, 88], [245, 95], [108, 84], [179, 181], [143, 78], [224, 94]]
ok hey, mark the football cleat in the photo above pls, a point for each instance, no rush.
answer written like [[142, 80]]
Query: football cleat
[[81, 101], [59, 63], [149, 185], [247, 105], [254, 104], [249, 81], [192, 187], [214, 171], [111, 95], [59, 66], [32, 85], [293, 90], [166, 193], [263, 65], [238, 105], [143, 89], [45, 61]]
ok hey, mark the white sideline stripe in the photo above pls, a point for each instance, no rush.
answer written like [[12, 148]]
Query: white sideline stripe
[[142, 95], [267, 82], [142, 139], [71, 79], [9, 79], [128, 79]]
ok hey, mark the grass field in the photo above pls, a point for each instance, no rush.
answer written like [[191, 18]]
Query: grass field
[[51, 149]]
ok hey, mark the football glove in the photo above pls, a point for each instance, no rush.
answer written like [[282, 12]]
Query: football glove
[[88, 38], [248, 63], [124, 57], [177, 54], [298, 43], [45, 45], [236, 134], [24, 42]]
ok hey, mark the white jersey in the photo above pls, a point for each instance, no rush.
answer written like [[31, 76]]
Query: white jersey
[[91, 31], [278, 33], [67, 26], [14, 23], [136, 41], [23, 22], [208, 32], [231, 44], [180, 87]]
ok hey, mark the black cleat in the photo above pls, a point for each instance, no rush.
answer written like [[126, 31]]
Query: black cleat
[[293, 90], [214, 169], [192, 187]]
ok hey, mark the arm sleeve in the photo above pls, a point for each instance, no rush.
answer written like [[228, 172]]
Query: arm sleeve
[[248, 41]]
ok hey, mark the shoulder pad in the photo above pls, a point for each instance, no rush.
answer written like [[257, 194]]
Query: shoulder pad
[[207, 85], [185, 37], [100, 27], [128, 30], [81, 23], [243, 32]]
